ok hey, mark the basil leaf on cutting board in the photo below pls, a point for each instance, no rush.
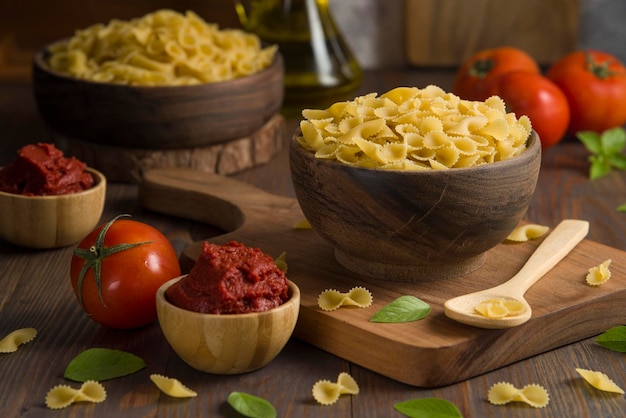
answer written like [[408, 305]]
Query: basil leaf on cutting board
[[404, 309]]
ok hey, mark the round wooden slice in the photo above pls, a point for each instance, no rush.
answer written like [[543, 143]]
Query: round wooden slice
[[128, 164]]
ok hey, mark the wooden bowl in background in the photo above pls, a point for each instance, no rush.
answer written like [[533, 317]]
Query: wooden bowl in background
[[414, 225], [229, 343], [157, 117], [46, 222]]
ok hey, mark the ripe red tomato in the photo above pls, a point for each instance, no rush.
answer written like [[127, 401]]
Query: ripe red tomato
[[594, 83], [117, 269], [473, 78], [538, 98]]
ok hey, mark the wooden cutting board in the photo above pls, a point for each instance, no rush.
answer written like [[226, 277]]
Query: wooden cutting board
[[435, 351]]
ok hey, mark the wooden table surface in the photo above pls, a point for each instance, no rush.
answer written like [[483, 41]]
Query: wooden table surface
[[35, 292]]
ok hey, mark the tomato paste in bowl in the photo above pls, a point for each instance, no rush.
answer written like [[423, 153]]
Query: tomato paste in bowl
[[48, 200], [42, 170], [233, 313], [230, 279]]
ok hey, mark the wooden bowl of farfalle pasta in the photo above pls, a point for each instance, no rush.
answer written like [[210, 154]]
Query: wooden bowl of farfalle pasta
[[165, 80], [414, 184]]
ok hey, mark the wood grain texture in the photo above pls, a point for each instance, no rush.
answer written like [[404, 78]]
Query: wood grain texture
[[432, 352], [157, 117], [413, 225], [446, 32], [127, 164], [46, 222], [231, 343]]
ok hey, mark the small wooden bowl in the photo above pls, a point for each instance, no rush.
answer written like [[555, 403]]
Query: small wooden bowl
[[413, 226], [46, 222], [159, 117], [230, 343]]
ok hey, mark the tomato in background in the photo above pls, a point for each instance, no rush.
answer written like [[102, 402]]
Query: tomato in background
[[594, 83], [535, 96], [473, 78], [117, 269]]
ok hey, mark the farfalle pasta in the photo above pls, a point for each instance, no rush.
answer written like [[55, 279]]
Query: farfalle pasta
[[409, 128], [527, 232], [534, 395], [10, 342], [326, 392], [500, 308], [331, 299], [161, 48], [62, 396], [599, 274], [599, 381], [303, 224], [172, 387]]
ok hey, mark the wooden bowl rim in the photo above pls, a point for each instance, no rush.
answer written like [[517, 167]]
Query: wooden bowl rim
[[533, 145], [100, 182], [294, 298], [39, 61]]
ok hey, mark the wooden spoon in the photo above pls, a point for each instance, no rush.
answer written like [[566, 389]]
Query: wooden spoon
[[552, 250]]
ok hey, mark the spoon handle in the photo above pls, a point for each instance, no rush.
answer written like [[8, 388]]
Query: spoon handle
[[553, 249]]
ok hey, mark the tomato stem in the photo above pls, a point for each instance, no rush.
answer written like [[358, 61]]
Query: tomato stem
[[95, 255], [480, 68], [599, 69]]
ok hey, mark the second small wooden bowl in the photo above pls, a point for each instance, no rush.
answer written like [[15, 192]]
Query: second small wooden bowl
[[45, 222], [414, 225], [159, 117], [229, 343]]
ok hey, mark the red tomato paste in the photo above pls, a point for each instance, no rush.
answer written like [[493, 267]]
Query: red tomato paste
[[230, 279], [42, 170]]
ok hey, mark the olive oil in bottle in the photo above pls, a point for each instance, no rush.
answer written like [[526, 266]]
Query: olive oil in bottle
[[319, 66]]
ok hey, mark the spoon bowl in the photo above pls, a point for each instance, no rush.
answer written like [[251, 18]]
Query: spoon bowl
[[552, 250]]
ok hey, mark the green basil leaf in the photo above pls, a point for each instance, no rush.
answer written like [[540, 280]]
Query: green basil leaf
[[613, 141], [428, 408], [281, 262], [251, 406], [613, 339], [621, 208], [617, 160], [102, 364], [599, 168], [591, 141], [404, 309]]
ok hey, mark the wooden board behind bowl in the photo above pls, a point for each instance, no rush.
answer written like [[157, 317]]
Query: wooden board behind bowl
[[435, 351], [128, 164], [446, 32]]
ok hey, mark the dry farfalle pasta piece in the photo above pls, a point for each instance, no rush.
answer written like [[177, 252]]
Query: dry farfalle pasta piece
[[500, 307], [534, 395], [527, 232], [327, 393], [331, 299], [600, 381], [11, 341], [62, 396], [303, 224], [172, 387], [599, 274]]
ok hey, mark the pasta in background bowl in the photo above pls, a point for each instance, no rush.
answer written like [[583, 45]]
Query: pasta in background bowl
[[378, 187], [163, 81]]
